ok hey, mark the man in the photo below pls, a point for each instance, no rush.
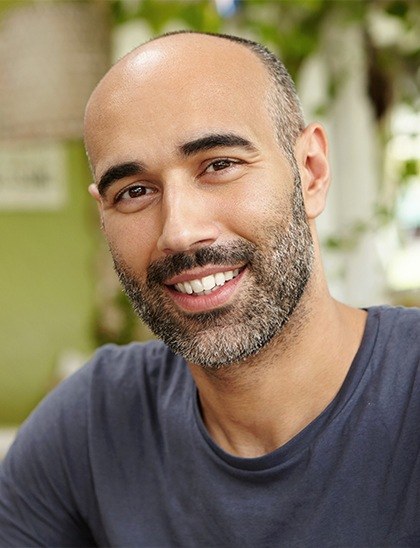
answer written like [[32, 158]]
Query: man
[[271, 415]]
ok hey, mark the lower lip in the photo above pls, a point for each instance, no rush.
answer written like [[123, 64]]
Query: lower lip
[[203, 303]]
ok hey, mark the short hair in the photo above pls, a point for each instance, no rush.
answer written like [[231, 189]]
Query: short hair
[[284, 103]]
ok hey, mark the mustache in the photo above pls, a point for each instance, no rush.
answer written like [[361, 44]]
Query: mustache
[[236, 252]]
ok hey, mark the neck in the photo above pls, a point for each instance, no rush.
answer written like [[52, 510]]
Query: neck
[[253, 407]]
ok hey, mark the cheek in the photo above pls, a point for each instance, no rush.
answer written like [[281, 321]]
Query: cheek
[[132, 239], [253, 208]]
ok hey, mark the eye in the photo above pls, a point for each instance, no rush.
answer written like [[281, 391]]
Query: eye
[[135, 191], [133, 198], [220, 164]]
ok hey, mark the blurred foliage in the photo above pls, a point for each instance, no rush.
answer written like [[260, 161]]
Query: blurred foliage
[[198, 14], [348, 238], [115, 320], [294, 29]]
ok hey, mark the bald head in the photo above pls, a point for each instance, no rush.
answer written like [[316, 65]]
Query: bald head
[[221, 64]]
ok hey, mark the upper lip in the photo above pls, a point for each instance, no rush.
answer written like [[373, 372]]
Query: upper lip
[[200, 272]]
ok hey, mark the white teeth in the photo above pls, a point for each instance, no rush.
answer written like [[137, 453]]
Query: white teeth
[[197, 286], [207, 284], [219, 278]]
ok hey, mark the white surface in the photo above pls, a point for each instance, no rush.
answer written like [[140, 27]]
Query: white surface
[[7, 435]]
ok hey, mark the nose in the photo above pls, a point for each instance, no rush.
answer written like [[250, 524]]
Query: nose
[[187, 222]]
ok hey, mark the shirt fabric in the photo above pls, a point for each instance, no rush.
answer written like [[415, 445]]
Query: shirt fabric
[[118, 455]]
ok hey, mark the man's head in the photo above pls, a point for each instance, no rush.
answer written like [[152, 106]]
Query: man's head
[[206, 177]]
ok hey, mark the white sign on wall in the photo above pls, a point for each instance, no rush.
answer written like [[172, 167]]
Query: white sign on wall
[[32, 176], [52, 54]]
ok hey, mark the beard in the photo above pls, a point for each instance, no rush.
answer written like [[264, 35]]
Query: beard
[[279, 266]]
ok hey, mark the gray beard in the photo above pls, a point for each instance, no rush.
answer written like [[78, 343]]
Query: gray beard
[[279, 267]]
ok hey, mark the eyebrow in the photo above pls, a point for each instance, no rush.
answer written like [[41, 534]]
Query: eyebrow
[[214, 140], [207, 142], [117, 172]]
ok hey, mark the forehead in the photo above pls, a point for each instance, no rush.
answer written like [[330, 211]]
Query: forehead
[[174, 89]]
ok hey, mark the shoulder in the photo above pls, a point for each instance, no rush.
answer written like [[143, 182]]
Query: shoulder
[[114, 378], [396, 350], [115, 398], [411, 314], [137, 376], [149, 354], [399, 323], [133, 368]]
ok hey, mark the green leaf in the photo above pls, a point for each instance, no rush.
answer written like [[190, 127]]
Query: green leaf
[[398, 8]]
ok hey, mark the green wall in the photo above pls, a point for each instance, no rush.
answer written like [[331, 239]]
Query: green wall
[[46, 291]]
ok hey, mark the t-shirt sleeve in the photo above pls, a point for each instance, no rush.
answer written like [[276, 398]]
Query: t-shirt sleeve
[[44, 494]]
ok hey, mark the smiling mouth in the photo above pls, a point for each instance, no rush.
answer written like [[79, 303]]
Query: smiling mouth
[[207, 284]]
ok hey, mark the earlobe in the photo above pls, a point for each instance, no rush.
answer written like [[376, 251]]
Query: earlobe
[[311, 155]]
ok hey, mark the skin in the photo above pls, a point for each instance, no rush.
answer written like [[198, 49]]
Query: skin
[[143, 111]]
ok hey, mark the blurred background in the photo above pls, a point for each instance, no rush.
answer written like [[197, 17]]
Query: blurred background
[[357, 68]]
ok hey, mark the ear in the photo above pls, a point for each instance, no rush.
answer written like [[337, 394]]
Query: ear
[[94, 192], [311, 154]]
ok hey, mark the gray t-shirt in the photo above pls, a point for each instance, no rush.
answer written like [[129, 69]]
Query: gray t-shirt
[[118, 456]]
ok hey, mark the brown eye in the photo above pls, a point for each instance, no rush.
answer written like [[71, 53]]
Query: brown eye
[[135, 197], [135, 191], [218, 165]]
